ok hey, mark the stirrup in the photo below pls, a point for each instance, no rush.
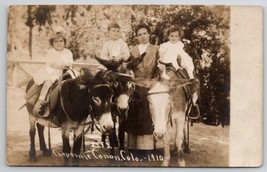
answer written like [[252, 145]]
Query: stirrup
[[194, 112]]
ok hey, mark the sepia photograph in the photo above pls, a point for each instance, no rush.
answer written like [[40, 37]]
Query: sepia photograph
[[119, 85]]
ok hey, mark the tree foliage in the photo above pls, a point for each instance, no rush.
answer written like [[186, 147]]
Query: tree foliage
[[206, 39], [205, 35]]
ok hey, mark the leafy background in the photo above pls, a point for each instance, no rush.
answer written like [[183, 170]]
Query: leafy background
[[205, 35]]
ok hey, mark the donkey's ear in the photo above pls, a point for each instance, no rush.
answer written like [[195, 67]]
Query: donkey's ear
[[143, 55], [111, 65], [135, 61]]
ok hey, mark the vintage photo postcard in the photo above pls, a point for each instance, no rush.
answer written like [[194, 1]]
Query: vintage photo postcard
[[134, 86]]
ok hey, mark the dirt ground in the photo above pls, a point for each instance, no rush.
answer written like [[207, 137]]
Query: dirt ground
[[209, 144]]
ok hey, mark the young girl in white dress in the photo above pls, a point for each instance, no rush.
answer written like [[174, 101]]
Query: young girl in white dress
[[57, 59], [172, 52]]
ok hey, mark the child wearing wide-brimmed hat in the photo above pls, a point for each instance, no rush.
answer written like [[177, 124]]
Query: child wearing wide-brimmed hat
[[57, 59]]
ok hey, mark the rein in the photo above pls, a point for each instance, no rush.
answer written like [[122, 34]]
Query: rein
[[101, 85], [159, 92], [110, 72], [90, 112], [67, 115], [124, 74]]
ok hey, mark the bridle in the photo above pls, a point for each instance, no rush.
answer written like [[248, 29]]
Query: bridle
[[170, 112], [118, 73], [91, 112], [128, 92], [93, 120], [159, 92]]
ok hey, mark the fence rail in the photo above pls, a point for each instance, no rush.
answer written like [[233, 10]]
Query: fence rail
[[13, 75], [16, 61]]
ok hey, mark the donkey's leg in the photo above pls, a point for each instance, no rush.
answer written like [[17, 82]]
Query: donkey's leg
[[113, 139], [103, 139], [32, 152], [167, 155], [185, 144], [77, 143], [43, 148], [179, 122], [66, 144], [121, 132]]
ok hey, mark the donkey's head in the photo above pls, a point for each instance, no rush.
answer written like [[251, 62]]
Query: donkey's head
[[160, 96], [100, 98], [120, 78]]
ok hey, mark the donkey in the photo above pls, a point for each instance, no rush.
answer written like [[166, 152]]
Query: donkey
[[121, 81], [168, 105], [79, 100]]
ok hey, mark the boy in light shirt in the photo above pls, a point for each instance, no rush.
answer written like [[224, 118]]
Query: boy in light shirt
[[115, 48]]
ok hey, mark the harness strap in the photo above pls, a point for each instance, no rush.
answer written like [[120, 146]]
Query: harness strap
[[100, 85], [72, 73], [159, 92], [62, 104], [124, 74]]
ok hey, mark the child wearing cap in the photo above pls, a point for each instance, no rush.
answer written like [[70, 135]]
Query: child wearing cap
[[57, 59], [115, 48]]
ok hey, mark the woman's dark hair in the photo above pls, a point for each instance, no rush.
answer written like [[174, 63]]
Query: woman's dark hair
[[142, 25]]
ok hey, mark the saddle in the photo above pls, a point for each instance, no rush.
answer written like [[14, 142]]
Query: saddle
[[191, 88], [52, 97], [188, 91], [33, 93], [182, 74]]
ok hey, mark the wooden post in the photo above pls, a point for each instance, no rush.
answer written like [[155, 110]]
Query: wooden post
[[30, 24]]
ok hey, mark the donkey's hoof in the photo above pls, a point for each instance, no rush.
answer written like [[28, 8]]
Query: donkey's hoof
[[76, 165], [165, 163], [47, 153], [186, 150], [33, 159], [76, 162], [112, 162], [181, 163], [66, 163]]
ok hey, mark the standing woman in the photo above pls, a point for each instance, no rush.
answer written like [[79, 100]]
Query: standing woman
[[139, 122]]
